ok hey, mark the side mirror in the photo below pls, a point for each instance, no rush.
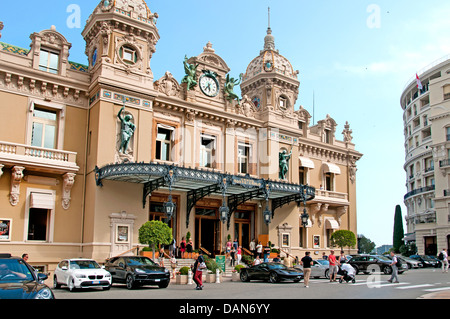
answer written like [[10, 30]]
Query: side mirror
[[42, 277], [64, 268]]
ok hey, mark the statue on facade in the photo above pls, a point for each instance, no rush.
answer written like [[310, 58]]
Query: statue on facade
[[191, 74], [127, 130], [284, 163], [229, 88]]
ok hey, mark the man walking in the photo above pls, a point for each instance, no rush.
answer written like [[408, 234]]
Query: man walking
[[394, 276], [306, 263], [444, 260]]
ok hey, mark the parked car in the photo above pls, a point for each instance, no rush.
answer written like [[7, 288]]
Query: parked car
[[273, 272], [426, 260], [412, 263], [81, 273], [137, 271], [18, 280], [438, 262], [374, 263], [319, 268]]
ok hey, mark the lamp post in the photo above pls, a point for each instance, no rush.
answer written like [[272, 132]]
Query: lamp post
[[305, 216], [224, 210], [266, 215], [169, 208]]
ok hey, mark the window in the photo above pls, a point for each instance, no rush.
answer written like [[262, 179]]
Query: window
[[302, 175], [207, 151], [44, 129], [328, 136], [243, 158], [448, 133], [164, 143], [128, 55], [38, 224], [48, 61], [283, 103], [329, 181]]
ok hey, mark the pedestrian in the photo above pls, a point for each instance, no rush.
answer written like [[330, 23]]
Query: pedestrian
[[161, 257], [324, 256], [233, 257], [259, 249], [266, 253], [394, 276], [173, 264], [239, 254], [183, 248], [172, 247], [306, 262], [342, 258], [253, 248], [444, 260], [257, 261], [189, 248], [198, 267], [333, 266], [235, 244], [25, 257]]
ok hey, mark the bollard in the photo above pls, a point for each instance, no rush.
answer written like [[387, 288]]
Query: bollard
[[217, 276], [189, 277]]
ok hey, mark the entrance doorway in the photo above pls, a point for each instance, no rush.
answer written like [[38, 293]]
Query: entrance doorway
[[207, 230], [430, 246], [243, 227]]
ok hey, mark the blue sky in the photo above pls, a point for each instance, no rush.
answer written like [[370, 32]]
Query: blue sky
[[356, 56]]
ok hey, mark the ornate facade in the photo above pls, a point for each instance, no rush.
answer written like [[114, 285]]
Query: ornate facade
[[93, 152]]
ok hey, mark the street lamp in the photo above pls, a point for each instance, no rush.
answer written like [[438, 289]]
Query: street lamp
[[266, 215], [305, 218], [224, 211], [169, 208]]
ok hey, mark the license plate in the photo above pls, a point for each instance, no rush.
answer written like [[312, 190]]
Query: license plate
[[157, 280], [96, 282]]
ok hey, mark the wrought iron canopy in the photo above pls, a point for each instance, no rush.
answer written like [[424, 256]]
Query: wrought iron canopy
[[200, 183]]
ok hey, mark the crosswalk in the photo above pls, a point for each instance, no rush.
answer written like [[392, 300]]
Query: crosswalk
[[428, 287]]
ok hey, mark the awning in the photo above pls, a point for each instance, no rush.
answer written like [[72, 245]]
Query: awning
[[306, 162], [331, 224], [42, 201], [331, 168]]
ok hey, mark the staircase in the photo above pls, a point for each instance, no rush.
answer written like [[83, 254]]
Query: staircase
[[188, 262]]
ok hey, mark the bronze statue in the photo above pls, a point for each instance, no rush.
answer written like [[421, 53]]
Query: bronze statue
[[127, 131], [191, 74], [229, 87], [284, 163]]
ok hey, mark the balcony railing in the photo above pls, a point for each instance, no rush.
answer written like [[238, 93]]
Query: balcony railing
[[19, 154], [444, 163], [332, 195], [419, 190]]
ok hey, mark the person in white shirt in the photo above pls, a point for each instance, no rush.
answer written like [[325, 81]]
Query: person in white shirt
[[444, 260]]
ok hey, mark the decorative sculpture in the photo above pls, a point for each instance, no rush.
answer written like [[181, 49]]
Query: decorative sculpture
[[229, 87], [127, 132], [284, 163], [191, 74]]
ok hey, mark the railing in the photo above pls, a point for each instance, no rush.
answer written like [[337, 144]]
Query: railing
[[206, 251], [11, 149], [331, 194], [126, 252], [445, 162], [419, 190]]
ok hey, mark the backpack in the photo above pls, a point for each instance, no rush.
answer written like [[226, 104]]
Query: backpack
[[399, 263], [441, 256]]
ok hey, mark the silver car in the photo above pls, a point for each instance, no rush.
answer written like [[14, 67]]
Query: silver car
[[319, 268]]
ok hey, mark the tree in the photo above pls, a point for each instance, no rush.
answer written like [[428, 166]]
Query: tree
[[155, 233], [343, 238], [365, 245], [398, 230]]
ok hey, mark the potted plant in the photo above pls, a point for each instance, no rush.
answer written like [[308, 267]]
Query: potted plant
[[212, 267], [181, 277], [146, 252], [236, 274], [154, 233]]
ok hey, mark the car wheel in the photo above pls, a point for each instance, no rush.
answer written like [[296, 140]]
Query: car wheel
[[56, 285], [130, 282], [273, 277], [244, 276], [387, 270], [107, 287], [327, 274], [356, 269], [71, 285]]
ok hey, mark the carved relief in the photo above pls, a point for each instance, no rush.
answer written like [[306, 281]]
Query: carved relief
[[68, 181], [168, 85], [16, 178]]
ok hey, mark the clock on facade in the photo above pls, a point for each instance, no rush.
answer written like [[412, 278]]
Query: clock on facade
[[209, 84]]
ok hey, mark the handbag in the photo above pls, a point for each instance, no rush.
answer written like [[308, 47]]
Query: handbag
[[202, 266]]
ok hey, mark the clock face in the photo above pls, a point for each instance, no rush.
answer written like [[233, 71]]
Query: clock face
[[209, 85]]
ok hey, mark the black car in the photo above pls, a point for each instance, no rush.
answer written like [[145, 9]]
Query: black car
[[373, 263], [427, 261], [18, 280], [137, 271], [273, 272]]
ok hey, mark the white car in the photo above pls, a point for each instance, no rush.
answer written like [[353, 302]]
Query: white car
[[81, 273]]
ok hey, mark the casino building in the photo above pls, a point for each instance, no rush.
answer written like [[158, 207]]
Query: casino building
[[88, 154]]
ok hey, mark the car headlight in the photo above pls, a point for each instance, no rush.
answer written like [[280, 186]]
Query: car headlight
[[80, 275], [140, 271], [107, 275], [45, 293]]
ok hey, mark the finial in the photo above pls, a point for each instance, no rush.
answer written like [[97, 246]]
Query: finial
[[269, 16], [269, 40]]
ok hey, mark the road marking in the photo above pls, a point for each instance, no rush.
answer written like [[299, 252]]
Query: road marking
[[415, 286], [438, 289]]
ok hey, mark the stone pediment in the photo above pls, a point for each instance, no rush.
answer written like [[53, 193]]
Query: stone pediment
[[168, 85], [208, 58]]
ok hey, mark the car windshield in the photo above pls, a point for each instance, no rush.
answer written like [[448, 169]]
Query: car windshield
[[84, 264], [277, 266], [427, 258], [323, 262], [13, 270], [140, 261]]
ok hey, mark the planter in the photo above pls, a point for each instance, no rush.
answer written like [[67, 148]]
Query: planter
[[148, 254], [236, 276], [211, 278], [273, 255], [181, 279]]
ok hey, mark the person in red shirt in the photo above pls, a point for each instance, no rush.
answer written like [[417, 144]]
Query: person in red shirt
[[333, 266]]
